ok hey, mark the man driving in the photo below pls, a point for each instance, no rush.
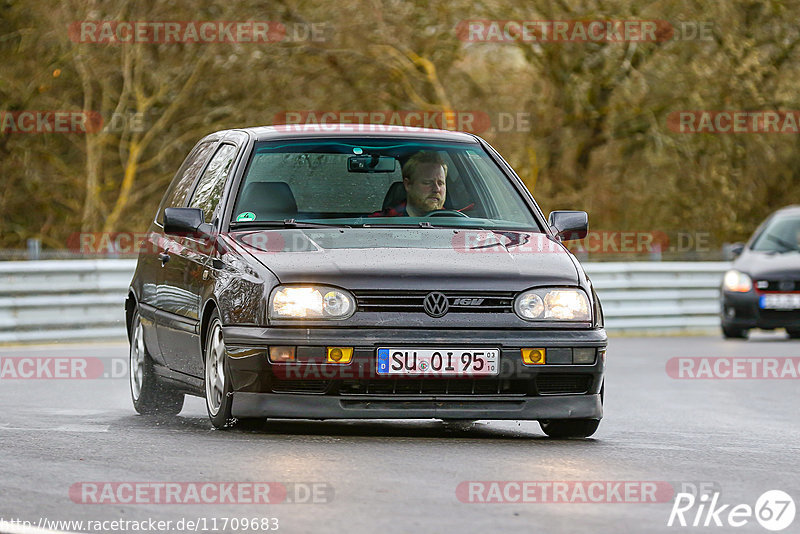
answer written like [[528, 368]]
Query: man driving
[[425, 182]]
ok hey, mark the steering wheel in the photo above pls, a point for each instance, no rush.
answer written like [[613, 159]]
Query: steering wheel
[[445, 213]]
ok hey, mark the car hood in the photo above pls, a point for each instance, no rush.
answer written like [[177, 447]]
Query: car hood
[[770, 266], [409, 258]]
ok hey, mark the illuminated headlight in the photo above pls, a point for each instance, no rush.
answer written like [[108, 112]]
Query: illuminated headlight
[[553, 305], [311, 302], [737, 282]]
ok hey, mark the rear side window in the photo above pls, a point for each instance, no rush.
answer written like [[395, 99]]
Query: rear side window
[[181, 185], [209, 188]]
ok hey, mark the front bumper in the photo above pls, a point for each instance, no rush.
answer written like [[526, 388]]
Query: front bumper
[[313, 389], [337, 407], [741, 310]]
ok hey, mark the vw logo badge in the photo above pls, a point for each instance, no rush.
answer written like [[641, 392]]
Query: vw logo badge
[[436, 304], [786, 285]]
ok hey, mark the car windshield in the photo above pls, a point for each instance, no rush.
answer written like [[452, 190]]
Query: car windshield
[[782, 234], [378, 182]]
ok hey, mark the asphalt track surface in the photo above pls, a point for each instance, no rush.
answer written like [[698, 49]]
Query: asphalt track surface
[[736, 437]]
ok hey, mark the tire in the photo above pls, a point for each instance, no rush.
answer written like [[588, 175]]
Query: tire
[[219, 397], [794, 333], [573, 428], [731, 332], [569, 428], [150, 396]]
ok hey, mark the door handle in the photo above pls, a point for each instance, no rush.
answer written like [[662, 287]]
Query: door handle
[[164, 257]]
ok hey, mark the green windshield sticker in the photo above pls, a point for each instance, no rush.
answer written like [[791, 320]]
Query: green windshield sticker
[[246, 216]]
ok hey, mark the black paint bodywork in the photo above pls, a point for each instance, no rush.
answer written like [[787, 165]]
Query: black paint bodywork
[[175, 298]]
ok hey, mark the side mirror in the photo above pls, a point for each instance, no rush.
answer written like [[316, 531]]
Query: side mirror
[[186, 221], [737, 249], [569, 224]]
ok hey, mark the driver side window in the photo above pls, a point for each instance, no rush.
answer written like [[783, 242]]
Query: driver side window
[[212, 183], [176, 194]]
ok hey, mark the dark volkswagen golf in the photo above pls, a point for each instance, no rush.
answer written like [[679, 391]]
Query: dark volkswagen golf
[[357, 272], [762, 288]]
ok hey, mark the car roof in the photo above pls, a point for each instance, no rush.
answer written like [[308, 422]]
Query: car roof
[[794, 209], [290, 131]]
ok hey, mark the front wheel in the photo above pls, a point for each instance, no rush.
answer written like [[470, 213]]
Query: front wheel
[[794, 333], [149, 394], [569, 428], [731, 332], [219, 398]]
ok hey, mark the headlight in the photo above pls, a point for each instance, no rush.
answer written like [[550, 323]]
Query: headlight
[[311, 302], [737, 282], [553, 305]]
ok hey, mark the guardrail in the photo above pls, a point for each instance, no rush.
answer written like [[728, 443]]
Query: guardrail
[[60, 300], [659, 297], [63, 300]]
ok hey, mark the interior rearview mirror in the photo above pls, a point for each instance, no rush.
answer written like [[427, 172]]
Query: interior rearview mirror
[[372, 163]]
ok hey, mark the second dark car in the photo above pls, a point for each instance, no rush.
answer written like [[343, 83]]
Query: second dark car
[[762, 288]]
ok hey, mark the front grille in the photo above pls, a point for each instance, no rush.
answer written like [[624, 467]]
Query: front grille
[[432, 386], [412, 301], [299, 386], [548, 384], [778, 285]]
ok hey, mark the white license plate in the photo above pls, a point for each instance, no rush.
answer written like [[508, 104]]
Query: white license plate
[[438, 361], [780, 301]]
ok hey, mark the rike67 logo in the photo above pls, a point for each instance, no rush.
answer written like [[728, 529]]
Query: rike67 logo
[[774, 510]]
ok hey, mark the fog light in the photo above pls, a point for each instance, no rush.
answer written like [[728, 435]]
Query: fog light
[[583, 355], [281, 354], [340, 354], [533, 356]]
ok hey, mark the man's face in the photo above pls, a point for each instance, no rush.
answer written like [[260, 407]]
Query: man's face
[[426, 190]]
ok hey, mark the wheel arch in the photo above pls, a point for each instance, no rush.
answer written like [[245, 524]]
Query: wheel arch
[[130, 306], [208, 309]]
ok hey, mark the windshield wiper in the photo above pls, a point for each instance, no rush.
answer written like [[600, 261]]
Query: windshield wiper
[[785, 244], [422, 224], [286, 223]]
